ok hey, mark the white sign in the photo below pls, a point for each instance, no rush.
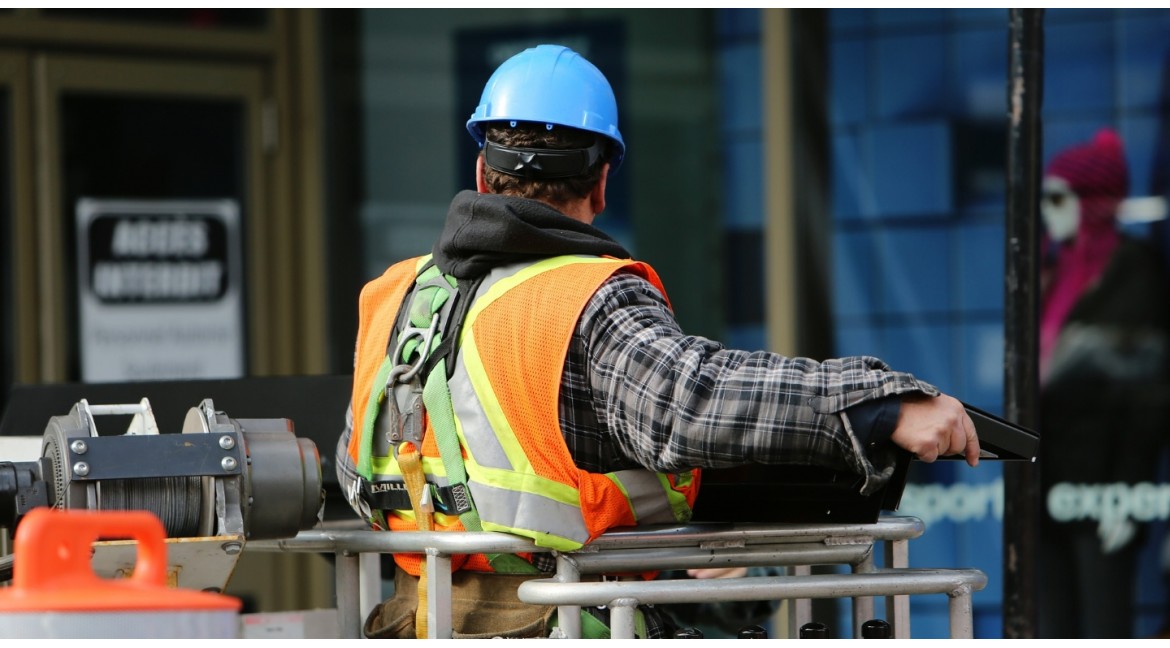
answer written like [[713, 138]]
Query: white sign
[[159, 287]]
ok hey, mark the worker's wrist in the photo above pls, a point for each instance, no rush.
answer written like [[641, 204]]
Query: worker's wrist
[[873, 422]]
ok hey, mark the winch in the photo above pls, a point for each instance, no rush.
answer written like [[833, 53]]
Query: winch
[[216, 485]]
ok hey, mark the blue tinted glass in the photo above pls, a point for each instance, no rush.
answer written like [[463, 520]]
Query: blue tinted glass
[[981, 354], [980, 267], [739, 67], [884, 18], [743, 189], [924, 349], [911, 76], [914, 270], [1143, 70], [848, 19], [980, 72], [850, 179], [855, 274], [737, 23], [1078, 67], [911, 169], [849, 74]]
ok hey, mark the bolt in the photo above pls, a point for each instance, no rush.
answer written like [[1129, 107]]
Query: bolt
[[78, 447], [231, 548], [81, 469], [228, 463], [226, 442]]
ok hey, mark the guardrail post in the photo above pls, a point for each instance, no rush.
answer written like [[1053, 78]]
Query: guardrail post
[[346, 576], [799, 610], [568, 616], [862, 605], [898, 607], [959, 607], [621, 618]]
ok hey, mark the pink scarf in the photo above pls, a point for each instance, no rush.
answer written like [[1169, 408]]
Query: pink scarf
[[1097, 173]]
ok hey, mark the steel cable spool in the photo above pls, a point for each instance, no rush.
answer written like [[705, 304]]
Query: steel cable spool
[[177, 501], [252, 477]]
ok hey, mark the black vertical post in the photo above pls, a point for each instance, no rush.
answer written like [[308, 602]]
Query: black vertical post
[[1021, 515]]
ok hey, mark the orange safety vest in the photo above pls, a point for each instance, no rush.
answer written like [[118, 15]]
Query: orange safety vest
[[505, 389]]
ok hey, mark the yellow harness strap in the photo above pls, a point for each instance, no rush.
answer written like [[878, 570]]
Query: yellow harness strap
[[416, 486]]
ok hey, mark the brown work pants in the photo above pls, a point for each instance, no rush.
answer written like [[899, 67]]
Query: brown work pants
[[483, 606]]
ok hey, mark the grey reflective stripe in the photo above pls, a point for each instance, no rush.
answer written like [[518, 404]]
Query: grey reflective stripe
[[647, 497], [528, 511], [482, 443]]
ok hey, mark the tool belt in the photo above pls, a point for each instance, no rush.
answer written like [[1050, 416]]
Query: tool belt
[[483, 606]]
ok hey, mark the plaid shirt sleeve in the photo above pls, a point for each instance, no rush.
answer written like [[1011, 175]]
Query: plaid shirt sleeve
[[673, 401], [346, 470]]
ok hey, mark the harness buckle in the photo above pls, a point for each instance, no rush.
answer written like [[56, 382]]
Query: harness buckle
[[397, 426], [460, 500]]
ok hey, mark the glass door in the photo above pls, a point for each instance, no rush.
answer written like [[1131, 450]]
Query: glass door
[[154, 188]]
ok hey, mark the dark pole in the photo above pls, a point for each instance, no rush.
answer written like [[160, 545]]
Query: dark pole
[[1021, 514]]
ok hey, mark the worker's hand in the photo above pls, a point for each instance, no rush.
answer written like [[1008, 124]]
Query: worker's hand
[[936, 426], [718, 572]]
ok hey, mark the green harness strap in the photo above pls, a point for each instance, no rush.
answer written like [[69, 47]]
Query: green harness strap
[[433, 301], [594, 628]]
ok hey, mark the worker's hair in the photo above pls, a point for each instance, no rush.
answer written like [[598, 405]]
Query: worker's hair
[[558, 191]]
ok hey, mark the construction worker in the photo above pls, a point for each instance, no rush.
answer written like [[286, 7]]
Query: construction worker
[[529, 377]]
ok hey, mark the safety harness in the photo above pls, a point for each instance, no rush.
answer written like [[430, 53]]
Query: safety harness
[[420, 351]]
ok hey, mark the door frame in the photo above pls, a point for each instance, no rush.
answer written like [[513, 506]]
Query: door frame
[[57, 75], [15, 75]]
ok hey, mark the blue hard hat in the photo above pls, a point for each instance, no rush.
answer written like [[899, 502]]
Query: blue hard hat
[[550, 84]]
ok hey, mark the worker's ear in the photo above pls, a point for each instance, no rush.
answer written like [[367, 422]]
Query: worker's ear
[[597, 196], [480, 183]]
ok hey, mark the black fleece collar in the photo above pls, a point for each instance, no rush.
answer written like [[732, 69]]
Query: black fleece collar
[[484, 231]]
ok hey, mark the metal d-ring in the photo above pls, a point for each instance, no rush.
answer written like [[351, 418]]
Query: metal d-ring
[[412, 368]]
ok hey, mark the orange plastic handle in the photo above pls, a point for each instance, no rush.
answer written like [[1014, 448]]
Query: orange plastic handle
[[52, 545]]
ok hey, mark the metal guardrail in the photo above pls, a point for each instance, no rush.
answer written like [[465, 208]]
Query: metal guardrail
[[795, 546]]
